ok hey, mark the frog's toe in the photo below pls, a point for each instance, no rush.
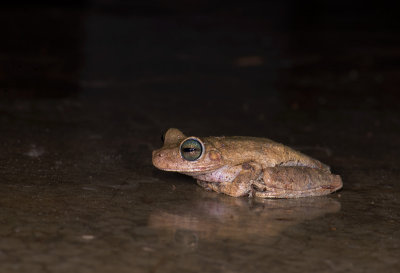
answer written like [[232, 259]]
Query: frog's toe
[[206, 185]]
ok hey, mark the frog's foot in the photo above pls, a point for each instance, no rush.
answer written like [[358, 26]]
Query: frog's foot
[[206, 185], [293, 182]]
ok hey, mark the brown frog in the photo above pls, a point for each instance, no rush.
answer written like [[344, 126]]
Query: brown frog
[[240, 166]]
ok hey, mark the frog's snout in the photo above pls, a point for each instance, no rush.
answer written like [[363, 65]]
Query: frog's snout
[[154, 158], [158, 158], [157, 153]]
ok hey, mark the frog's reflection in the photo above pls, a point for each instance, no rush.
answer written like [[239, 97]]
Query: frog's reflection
[[222, 217]]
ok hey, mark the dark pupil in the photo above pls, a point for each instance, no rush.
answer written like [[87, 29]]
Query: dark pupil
[[191, 149]]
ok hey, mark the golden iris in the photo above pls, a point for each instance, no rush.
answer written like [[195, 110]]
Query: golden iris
[[191, 149]]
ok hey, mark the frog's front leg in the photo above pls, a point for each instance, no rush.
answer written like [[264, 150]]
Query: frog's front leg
[[293, 182], [241, 185]]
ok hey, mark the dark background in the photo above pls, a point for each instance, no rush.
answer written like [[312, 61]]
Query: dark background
[[45, 46], [224, 67]]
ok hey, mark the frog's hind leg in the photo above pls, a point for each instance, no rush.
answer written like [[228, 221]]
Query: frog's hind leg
[[293, 182]]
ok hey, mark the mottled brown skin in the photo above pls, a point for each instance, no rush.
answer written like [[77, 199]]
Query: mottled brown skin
[[240, 166]]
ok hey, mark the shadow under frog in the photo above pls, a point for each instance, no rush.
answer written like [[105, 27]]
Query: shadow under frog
[[218, 217]]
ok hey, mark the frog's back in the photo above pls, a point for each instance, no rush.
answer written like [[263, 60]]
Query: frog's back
[[266, 152]]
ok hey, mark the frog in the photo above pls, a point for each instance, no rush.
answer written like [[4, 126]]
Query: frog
[[245, 166]]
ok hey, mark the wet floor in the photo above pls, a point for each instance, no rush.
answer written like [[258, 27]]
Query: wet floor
[[86, 93]]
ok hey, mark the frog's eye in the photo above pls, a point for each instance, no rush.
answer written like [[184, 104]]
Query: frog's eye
[[191, 149]]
